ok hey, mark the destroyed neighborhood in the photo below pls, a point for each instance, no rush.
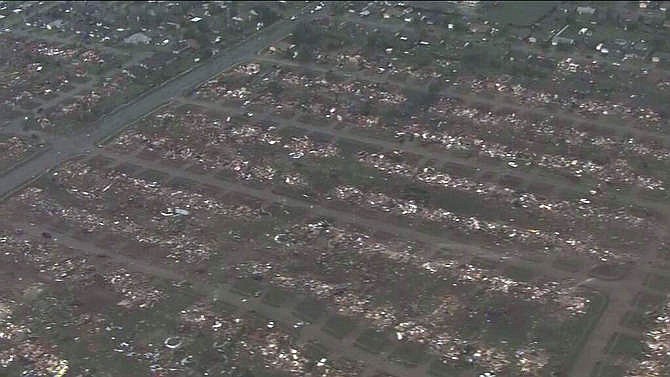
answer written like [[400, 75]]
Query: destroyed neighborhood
[[335, 189]]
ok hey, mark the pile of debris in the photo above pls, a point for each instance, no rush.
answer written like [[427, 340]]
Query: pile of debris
[[499, 231]]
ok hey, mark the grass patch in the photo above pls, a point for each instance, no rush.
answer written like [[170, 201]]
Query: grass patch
[[658, 282], [275, 297], [310, 310], [339, 326], [564, 340], [499, 319], [409, 354], [439, 369], [223, 306], [458, 169], [608, 370], [540, 188], [648, 301], [519, 273], [485, 263], [315, 350], [259, 371], [637, 320], [655, 196], [610, 271], [182, 183], [128, 168], [569, 264], [351, 147], [289, 132], [99, 162], [153, 176], [331, 172], [373, 341], [625, 345], [247, 287]]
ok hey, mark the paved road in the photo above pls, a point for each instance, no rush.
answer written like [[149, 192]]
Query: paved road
[[67, 147]]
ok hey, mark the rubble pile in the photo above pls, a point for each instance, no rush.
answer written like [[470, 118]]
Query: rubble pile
[[429, 328], [434, 177], [215, 144], [294, 179], [657, 347], [82, 105], [566, 300], [231, 86], [303, 146], [326, 97], [527, 132], [531, 360], [498, 231], [640, 116], [165, 53], [267, 342], [13, 149], [363, 244], [276, 351], [9, 329], [48, 258], [354, 57], [424, 330], [217, 91], [86, 183], [170, 204], [34, 76], [202, 316], [347, 303], [135, 289], [249, 69], [617, 172], [208, 144], [20, 347], [41, 358]]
